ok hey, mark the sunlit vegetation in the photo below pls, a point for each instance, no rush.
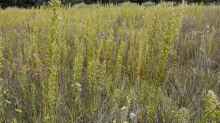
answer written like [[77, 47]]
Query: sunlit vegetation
[[109, 64]]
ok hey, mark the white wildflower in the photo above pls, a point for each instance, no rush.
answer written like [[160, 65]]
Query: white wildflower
[[132, 115]]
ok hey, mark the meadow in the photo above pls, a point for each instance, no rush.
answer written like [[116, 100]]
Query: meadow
[[110, 64]]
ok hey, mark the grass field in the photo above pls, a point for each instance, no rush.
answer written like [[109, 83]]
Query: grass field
[[127, 64]]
